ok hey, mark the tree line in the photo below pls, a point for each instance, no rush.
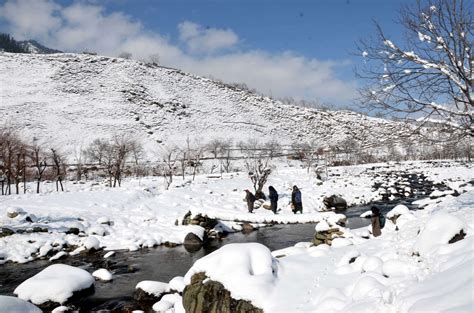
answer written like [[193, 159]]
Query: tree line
[[112, 159]]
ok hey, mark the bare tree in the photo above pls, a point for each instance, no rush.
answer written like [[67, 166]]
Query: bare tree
[[226, 155], [58, 166], [258, 166], [96, 150], [168, 164], [40, 163], [273, 148], [429, 78]]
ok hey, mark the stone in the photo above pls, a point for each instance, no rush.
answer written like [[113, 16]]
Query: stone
[[211, 296], [247, 227], [144, 297], [336, 202], [73, 230], [457, 237], [192, 239], [12, 214], [4, 232]]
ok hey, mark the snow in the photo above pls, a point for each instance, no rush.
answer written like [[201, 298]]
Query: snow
[[353, 274], [109, 254], [248, 270], [399, 209], [439, 229], [103, 274], [155, 288], [55, 283], [96, 94], [13, 304], [177, 283], [91, 242], [169, 301], [384, 275]]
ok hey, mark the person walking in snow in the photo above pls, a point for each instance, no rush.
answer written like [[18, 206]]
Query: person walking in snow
[[273, 199], [375, 219], [250, 198], [296, 201]]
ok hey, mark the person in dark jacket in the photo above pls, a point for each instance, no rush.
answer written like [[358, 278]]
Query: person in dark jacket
[[375, 219], [296, 201], [273, 199], [250, 198]]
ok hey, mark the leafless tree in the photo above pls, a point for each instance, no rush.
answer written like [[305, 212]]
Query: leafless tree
[[273, 148], [58, 165], [39, 159], [258, 166], [96, 150], [429, 78], [169, 158]]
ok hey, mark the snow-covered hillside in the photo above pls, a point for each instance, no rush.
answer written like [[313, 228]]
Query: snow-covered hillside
[[71, 99]]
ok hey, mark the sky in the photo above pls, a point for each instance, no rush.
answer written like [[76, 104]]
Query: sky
[[301, 49]]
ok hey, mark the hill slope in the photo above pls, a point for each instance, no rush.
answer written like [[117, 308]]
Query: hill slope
[[71, 99]]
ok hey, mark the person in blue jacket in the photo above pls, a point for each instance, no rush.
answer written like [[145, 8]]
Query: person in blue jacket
[[296, 200], [273, 199]]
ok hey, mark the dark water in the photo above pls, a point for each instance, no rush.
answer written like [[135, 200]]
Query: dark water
[[160, 264]]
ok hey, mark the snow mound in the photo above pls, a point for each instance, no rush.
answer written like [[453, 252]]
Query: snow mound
[[392, 268], [367, 286], [91, 242], [322, 226], [373, 264], [13, 304], [55, 283], [151, 287], [439, 230], [247, 270], [103, 274], [398, 210], [177, 283], [170, 301]]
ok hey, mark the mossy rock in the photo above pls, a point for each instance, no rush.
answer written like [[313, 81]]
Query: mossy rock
[[212, 297]]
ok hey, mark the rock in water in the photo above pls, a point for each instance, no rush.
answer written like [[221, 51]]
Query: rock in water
[[336, 202], [56, 284], [13, 304], [192, 239], [211, 296]]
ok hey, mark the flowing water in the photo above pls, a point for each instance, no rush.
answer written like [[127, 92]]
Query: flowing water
[[162, 264]]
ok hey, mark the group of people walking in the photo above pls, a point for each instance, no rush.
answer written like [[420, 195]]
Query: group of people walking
[[296, 201]]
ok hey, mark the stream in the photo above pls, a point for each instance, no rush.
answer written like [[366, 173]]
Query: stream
[[162, 264]]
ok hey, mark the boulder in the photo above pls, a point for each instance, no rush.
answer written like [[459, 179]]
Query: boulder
[[205, 295], [73, 230], [203, 221], [336, 202], [327, 236], [149, 292], [56, 285], [247, 228], [4, 232], [192, 239]]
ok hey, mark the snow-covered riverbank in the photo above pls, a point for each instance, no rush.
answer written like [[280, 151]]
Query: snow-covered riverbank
[[412, 267], [142, 214]]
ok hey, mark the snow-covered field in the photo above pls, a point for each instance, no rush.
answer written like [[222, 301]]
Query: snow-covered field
[[142, 213], [410, 268]]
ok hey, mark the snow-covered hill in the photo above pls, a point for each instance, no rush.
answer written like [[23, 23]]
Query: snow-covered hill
[[32, 46], [72, 99]]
